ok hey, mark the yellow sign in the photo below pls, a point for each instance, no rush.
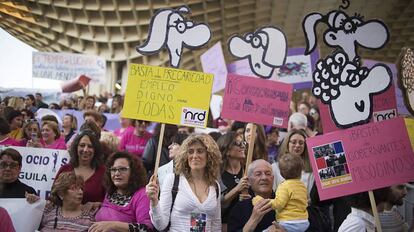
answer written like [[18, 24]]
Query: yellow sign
[[167, 95], [409, 123]]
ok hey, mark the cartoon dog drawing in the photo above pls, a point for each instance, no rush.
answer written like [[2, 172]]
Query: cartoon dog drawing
[[265, 49], [339, 80], [168, 27]]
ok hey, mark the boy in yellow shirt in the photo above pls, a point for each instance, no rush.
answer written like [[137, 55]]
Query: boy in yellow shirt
[[291, 196]]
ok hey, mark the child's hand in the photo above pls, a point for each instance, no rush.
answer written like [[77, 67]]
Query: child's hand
[[256, 200]]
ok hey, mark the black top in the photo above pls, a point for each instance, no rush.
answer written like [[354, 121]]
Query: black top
[[15, 190], [69, 136], [241, 213], [230, 181]]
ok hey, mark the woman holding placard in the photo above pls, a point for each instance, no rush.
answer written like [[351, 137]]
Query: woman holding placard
[[197, 203], [233, 151]]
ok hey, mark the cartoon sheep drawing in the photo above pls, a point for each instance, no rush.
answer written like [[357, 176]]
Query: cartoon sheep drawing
[[339, 80], [169, 28], [266, 49]]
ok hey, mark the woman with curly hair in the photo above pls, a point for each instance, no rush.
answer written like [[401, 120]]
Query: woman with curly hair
[[197, 204], [126, 207], [86, 160], [64, 210]]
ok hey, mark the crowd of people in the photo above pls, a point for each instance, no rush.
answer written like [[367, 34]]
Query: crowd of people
[[202, 183]]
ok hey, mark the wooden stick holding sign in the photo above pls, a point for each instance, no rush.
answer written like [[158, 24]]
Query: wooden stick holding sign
[[251, 147], [374, 211], [157, 160]]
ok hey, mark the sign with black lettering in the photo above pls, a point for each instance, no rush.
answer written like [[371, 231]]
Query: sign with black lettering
[[361, 158], [39, 167]]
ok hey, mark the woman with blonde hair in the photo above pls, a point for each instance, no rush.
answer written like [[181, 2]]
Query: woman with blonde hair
[[51, 136], [196, 205]]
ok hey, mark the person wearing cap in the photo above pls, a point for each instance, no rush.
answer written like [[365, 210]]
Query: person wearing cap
[[15, 120]]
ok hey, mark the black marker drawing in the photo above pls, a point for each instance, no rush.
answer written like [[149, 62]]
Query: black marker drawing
[[265, 49], [339, 80], [169, 28]]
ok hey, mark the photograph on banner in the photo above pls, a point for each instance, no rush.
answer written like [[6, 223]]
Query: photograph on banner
[[384, 104], [361, 158], [257, 100], [39, 167], [68, 66], [168, 95], [212, 61]]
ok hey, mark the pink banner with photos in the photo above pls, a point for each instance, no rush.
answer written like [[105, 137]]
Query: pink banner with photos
[[361, 158], [384, 105], [256, 100]]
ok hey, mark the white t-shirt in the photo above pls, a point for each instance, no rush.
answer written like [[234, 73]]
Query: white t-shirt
[[358, 221], [186, 205]]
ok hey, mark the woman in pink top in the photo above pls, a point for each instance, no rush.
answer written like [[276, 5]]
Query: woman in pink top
[[51, 136], [126, 125], [134, 141], [4, 134], [126, 206]]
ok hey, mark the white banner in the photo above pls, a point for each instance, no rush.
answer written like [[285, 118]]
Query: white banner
[[67, 66], [39, 167], [25, 217]]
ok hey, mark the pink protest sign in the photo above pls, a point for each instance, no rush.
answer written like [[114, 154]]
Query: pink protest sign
[[384, 104], [213, 62], [361, 158], [256, 100]]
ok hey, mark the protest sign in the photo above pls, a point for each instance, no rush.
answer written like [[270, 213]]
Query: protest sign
[[298, 68], [213, 62], [241, 67], [384, 104], [361, 158], [39, 167], [256, 100], [167, 95], [409, 123], [20, 211], [67, 66]]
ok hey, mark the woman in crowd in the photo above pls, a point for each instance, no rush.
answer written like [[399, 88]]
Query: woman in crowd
[[174, 150], [197, 203], [51, 136], [151, 149], [117, 104], [15, 120], [294, 144], [86, 161], [260, 150], [69, 125], [232, 148], [64, 211], [314, 112], [89, 103], [272, 143], [31, 134], [126, 125], [134, 141], [4, 134], [126, 206]]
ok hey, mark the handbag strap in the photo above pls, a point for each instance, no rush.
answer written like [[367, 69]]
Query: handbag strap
[[174, 192]]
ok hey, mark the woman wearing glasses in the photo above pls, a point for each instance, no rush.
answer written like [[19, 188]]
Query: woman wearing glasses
[[64, 210], [294, 144], [232, 148], [86, 161], [197, 203], [126, 206]]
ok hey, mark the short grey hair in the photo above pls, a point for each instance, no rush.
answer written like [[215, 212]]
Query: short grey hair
[[253, 165], [298, 120]]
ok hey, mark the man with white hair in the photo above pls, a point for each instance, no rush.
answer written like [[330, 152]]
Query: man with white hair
[[245, 217], [299, 121]]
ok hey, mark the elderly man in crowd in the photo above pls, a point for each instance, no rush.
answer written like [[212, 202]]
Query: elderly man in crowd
[[10, 167], [245, 217]]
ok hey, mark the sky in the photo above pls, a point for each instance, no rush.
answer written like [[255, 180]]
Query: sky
[[16, 65]]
